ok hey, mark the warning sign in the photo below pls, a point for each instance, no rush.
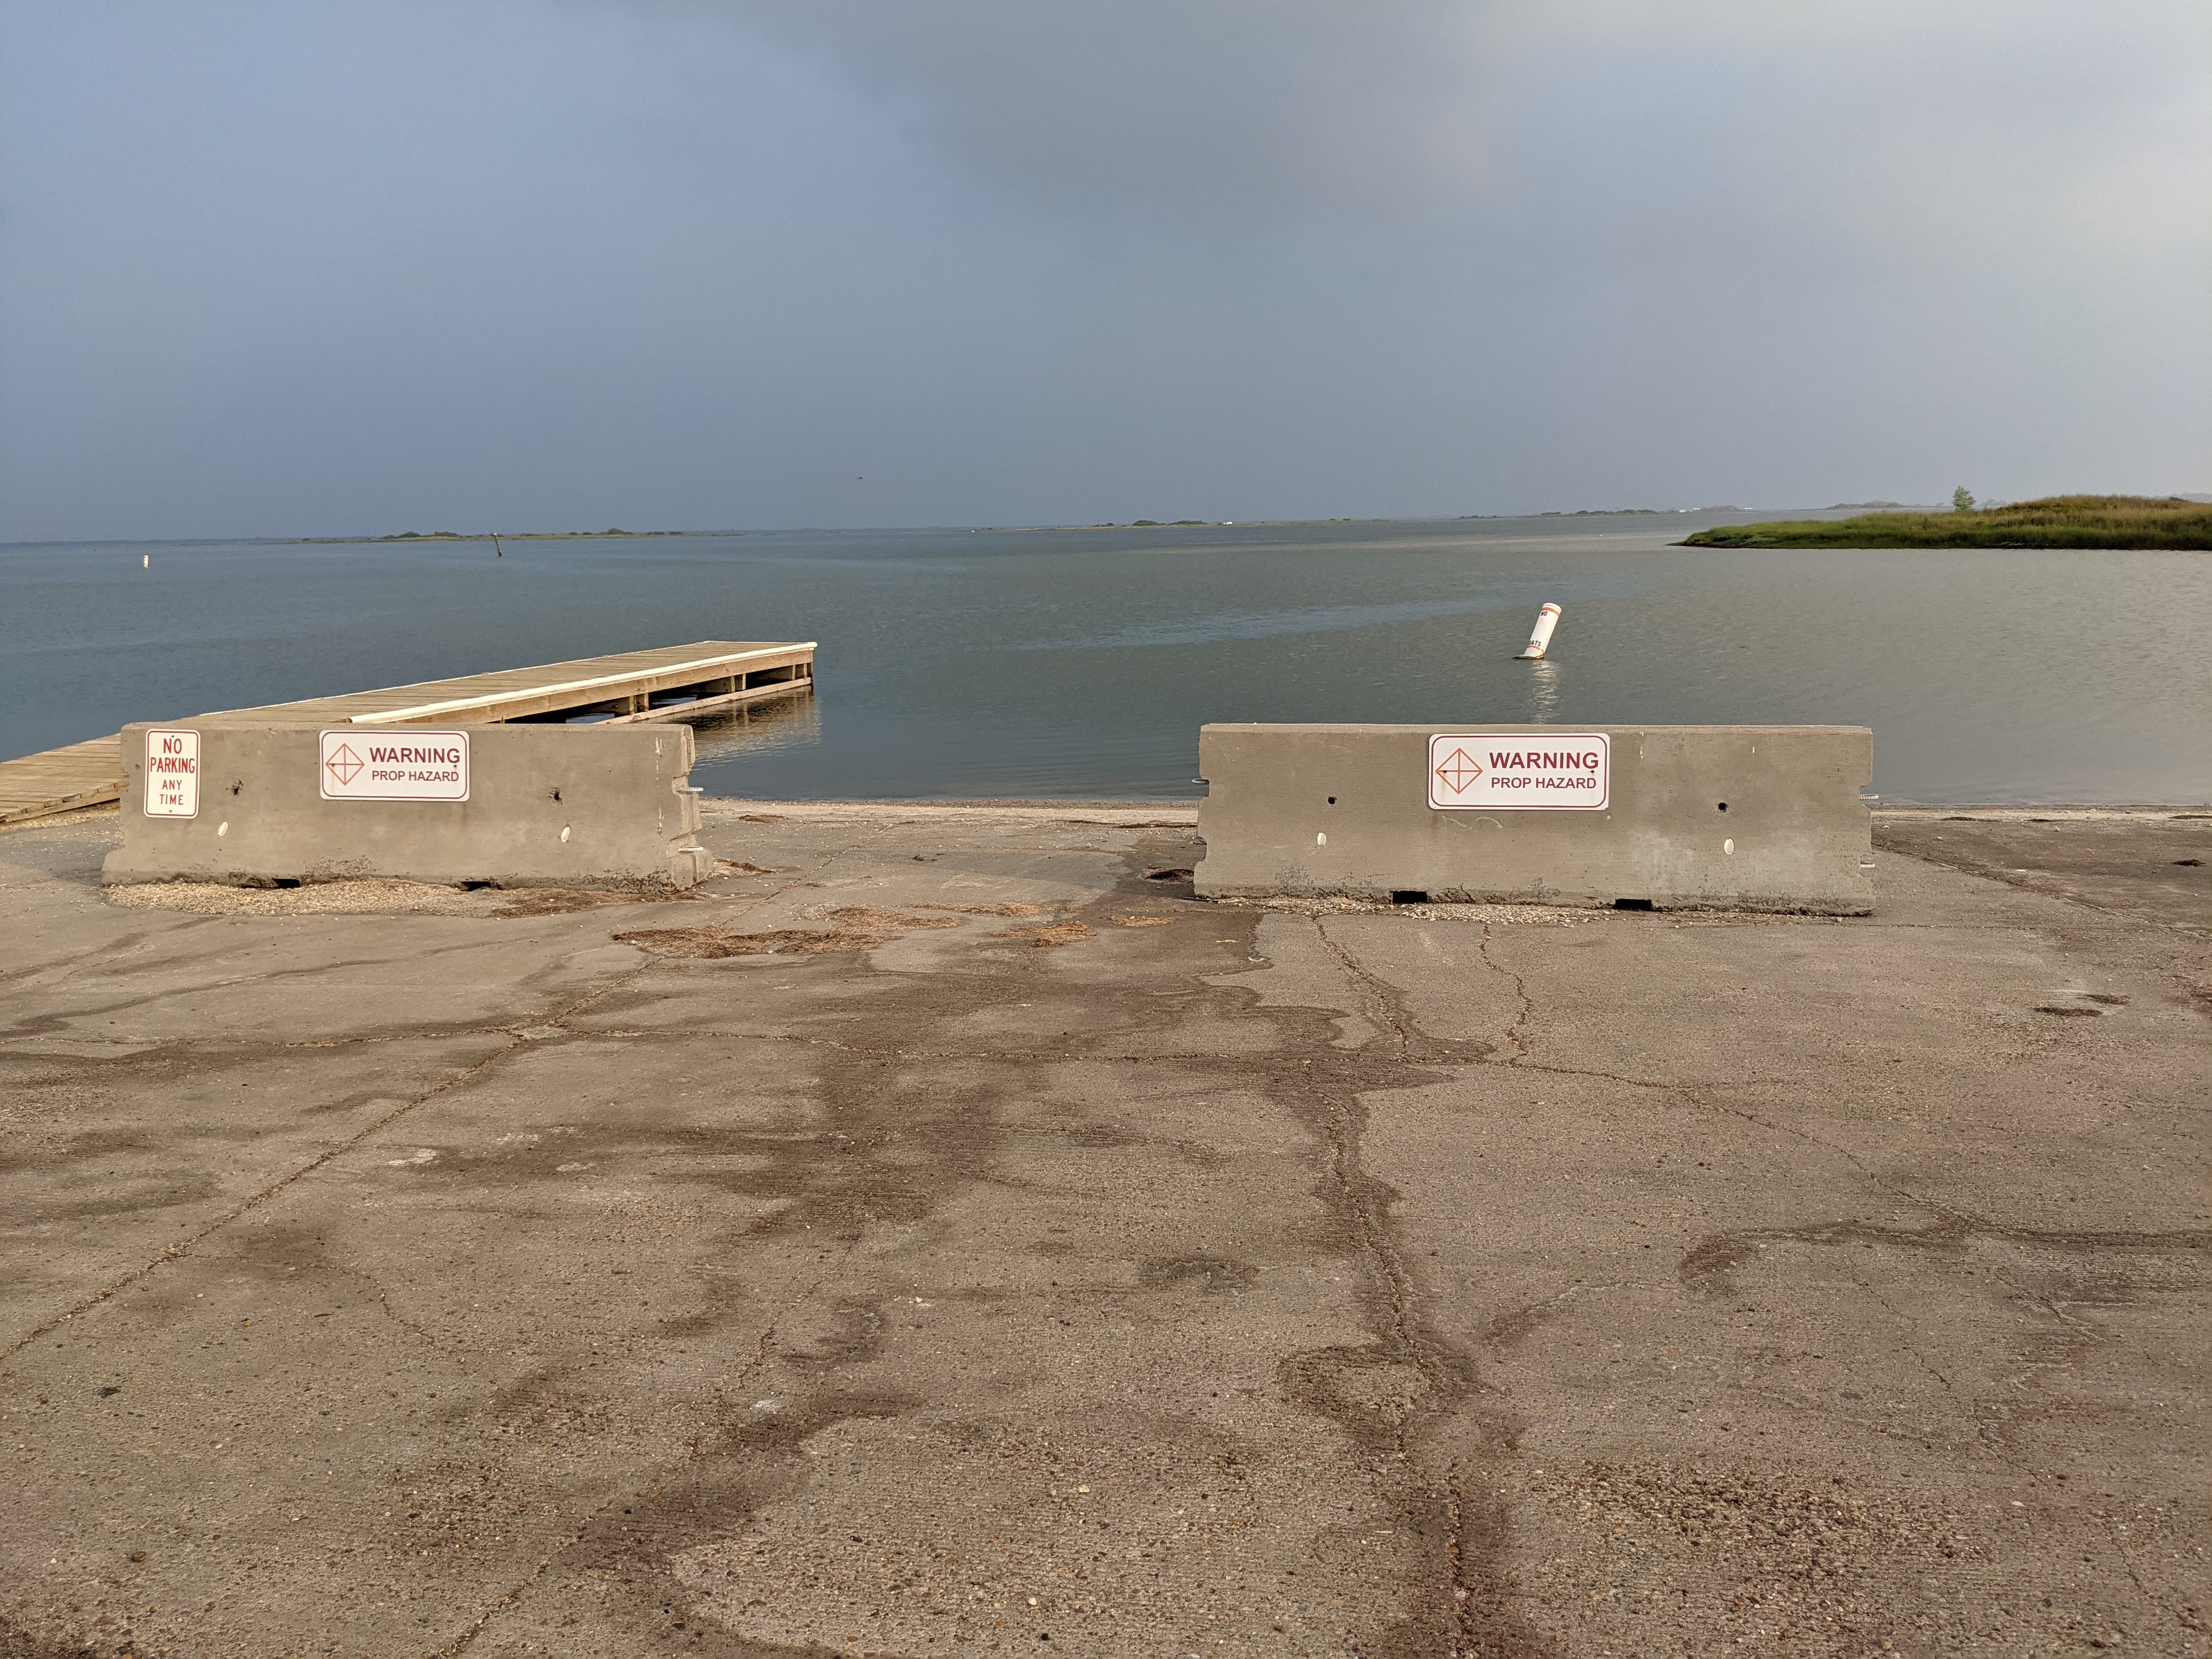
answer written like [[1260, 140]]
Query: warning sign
[[1515, 770], [173, 775], [406, 764]]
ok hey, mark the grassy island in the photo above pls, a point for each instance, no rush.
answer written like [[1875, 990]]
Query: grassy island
[[2054, 521]]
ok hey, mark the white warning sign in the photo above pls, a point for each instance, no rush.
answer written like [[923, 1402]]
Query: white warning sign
[[1513, 771], [173, 775], [404, 764]]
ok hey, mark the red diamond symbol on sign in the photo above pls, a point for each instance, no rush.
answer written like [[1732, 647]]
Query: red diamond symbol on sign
[[345, 764], [1460, 770]]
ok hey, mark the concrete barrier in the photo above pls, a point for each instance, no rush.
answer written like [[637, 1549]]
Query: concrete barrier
[[254, 803], [1749, 817]]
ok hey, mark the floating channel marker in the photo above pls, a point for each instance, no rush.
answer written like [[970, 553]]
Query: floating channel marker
[[672, 683], [1546, 620]]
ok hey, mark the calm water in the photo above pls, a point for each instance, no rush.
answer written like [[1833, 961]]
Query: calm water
[[1082, 662]]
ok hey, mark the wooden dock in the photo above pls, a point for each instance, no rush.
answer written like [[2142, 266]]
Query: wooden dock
[[673, 682]]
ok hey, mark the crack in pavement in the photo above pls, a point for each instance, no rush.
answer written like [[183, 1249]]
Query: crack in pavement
[[1920, 1359], [383, 1296], [177, 1252], [1705, 1267], [513, 1597], [1479, 1595], [1519, 992]]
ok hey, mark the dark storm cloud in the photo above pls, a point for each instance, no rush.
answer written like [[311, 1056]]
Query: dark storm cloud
[[1287, 110], [704, 263], [1904, 129]]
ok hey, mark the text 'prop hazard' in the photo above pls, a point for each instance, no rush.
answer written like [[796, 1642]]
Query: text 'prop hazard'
[[1514, 771], [410, 764]]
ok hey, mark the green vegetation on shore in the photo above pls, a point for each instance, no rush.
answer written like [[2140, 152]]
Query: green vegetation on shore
[[2103, 521]]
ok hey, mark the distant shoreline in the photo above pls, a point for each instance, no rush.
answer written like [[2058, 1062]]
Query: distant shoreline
[[503, 535], [409, 536], [1935, 526], [725, 535]]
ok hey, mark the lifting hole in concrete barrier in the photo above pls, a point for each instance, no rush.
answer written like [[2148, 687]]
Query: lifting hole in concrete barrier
[[1408, 896], [1332, 800], [1724, 806], [1631, 904]]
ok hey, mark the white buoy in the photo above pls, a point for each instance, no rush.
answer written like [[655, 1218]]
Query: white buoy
[[146, 562], [1546, 620]]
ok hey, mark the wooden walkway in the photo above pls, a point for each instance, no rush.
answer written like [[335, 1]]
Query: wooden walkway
[[674, 683], [61, 779]]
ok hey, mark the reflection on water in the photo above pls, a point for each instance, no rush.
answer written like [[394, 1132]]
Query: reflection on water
[[1544, 691], [753, 728], [1277, 622]]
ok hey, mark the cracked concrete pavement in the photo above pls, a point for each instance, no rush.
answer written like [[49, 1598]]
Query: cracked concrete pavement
[[1024, 1256]]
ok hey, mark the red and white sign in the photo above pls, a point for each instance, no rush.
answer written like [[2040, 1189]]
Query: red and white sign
[[401, 762], [1514, 771], [172, 774]]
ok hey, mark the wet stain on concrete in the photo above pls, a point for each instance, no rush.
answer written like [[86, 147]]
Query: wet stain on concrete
[[1707, 1268]]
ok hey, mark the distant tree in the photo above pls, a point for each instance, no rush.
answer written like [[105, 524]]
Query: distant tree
[[1962, 500]]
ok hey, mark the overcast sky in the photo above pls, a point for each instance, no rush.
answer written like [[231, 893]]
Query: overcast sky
[[273, 268]]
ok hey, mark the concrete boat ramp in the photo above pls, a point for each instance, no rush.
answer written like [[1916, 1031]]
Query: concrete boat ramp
[[941, 1233], [669, 683]]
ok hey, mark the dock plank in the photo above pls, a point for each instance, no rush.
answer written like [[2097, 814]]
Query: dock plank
[[86, 774], [90, 773]]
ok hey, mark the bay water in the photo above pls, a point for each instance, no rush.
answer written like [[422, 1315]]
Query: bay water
[[1069, 664]]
